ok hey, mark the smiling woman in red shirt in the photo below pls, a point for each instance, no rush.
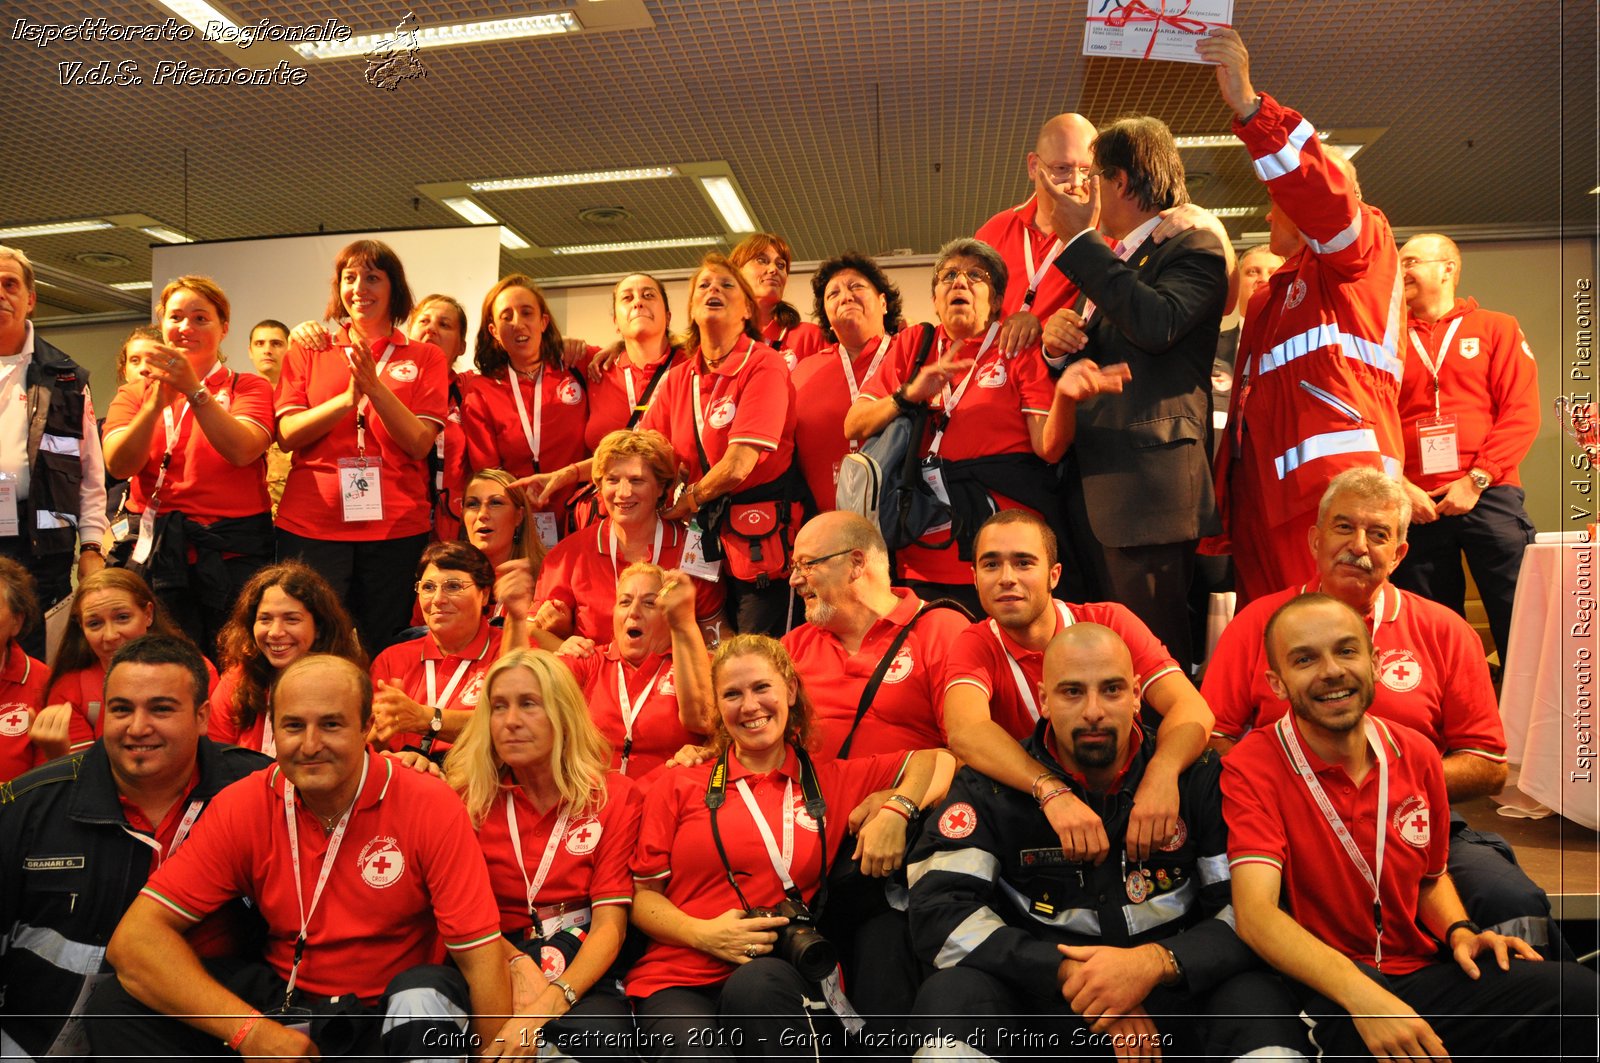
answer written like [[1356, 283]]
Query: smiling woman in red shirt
[[361, 418], [764, 260], [525, 412], [620, 396], [22, 678], [191, 436], [557, 831]]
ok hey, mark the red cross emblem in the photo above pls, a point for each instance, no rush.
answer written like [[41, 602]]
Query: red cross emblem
[[958, 821], [582, 838], [16, 721]]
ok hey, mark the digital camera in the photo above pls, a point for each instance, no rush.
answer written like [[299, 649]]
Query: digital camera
[[799, 942]]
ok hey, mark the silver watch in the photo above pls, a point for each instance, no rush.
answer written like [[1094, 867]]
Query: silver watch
[[566, 991], [1480, 479]]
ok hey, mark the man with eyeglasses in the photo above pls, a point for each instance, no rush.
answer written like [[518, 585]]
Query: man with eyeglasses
[[1469, 407], [1319, 369], [1137, 488]]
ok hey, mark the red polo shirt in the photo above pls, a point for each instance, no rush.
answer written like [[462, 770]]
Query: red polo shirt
[[22, 686], [658, 730], [990, 419], [406, 665], [1431, 674], [84, 689], [795, 344], [675, 848], [590, 867], [1006, 232], [904, 714], [223, 726], [614, 396], [312, 507], [982, 658], [747, 398], [558, 409], [1273, 819], [200, 482], [582, 569], [408, 873], [819, 438]]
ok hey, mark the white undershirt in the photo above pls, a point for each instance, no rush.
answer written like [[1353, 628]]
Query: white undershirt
[[14, 446]]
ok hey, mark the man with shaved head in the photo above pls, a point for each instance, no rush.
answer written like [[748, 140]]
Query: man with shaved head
[[1130, 955], [1469, 407]]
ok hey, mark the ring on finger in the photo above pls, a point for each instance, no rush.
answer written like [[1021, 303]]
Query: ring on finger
[[751, 950]]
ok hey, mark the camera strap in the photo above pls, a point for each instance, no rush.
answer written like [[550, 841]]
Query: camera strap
[[816, 808]]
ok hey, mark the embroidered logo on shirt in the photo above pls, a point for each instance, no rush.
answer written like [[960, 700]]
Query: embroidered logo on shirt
[[1296, 294], [473, 690], [570, 393], [802, 818], [582, 838], [403, 371], [381, 863], [790, 359], [14, 719], [1180, 834], [992, 375], [900, 667], [958, 821], [722, 413], [666, 688], [551, 962], [1399, 670], [1411, 821], [1469, 347]]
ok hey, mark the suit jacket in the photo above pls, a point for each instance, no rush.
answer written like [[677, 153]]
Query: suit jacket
[[1144, 455]]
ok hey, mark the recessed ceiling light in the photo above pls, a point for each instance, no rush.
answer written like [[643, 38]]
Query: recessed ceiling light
[[636, 245], [56, 228], [500, 29], [164, 234], [1222, 140], [197, 13], [132, 286], [470, 210], [726, 199], [1234, 212], [592, 177], [511, 241]]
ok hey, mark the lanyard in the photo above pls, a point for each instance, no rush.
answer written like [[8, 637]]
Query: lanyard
[[1035, 275], [435, 699], [782, 861], [872, 368], [557, 832], [191, 814], [1427, 359], [322, 876], [655, 550], [630, 709], [1292, 742], [1377, 613], [699, 411], [534, 433], [1023, 687], [366, 400], [174, 428], [953, 399]]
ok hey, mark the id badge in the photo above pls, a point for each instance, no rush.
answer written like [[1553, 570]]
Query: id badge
[[839, 1004], [9, 525], [147, 535], [360, 489], [933, 476], [694, 560], [549, 531], [1436, 442], [119, 530]]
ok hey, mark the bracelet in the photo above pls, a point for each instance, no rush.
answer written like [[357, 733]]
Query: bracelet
[[233, 1043], [890, 806], [904, 804], [91, 548], [1057, 792], [694, 495], [1033, 787], [903, 401], [1169, 963], [512, 962], [1460, 924]]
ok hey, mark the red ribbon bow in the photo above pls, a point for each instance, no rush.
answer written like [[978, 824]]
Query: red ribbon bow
[[1137, 11]]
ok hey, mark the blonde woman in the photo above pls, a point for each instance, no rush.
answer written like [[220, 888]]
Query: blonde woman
[[558, 833]]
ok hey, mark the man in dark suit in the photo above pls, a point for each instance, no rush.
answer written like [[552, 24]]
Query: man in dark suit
[[1138, 493]]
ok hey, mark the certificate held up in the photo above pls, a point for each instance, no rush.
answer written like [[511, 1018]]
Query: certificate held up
[[1152, 29]]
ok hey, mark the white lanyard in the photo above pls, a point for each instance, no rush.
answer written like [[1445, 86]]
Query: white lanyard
[[327, 864], [174, 427], [557, 832], [1035, 275], [533, 433], [699, 413], [655, 550], [1377, 613], [849, 372], [1292, 742], [953, 399], [630, 709], [1024, 688], [435, 701], [366, 400], [184, 825], [1427, 359], [782, 862]]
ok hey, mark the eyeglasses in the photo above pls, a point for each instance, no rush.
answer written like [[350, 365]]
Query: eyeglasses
[[452, 588], [973, 274], [804, 567], [493, 504], [1407, 263], [1068, 175]]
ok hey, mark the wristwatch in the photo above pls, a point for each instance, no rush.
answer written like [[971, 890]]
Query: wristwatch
[[437, 722], [200, 396], [566, 991], [1480, 479], [91, 548]]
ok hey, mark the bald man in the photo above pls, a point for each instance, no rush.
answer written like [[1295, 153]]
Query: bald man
[[1136, 955]]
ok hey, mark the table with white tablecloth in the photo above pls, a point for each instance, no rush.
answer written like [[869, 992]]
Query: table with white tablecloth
[[1548, 695]]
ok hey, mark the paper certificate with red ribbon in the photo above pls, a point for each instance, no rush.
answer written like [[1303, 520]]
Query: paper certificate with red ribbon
[[1152, 29]]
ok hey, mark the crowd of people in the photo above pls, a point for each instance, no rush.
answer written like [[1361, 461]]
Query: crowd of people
[[662, 751]]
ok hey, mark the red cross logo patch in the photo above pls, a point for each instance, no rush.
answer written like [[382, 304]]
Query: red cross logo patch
[[1399, 670], [958, 821], [1411, 821], [14, 720], [900, 667], [582, 838], [722, 412], [381, 863], [570, 393]]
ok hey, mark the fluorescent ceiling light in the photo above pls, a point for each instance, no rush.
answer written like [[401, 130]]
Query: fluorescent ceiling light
[[164, 234], [636, 245], [722, 194], [56, 228], [592, 177], [1595, 191], [500, 29], [511, 241], [1222, 140], [197, 13], [470, 210], [132, 286], [1234, 212]]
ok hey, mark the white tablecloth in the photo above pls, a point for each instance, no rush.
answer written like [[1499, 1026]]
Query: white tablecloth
[[1549, 688]]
